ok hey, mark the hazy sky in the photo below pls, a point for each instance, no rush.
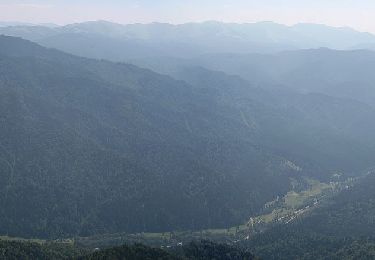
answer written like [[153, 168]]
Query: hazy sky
[[359, 14]]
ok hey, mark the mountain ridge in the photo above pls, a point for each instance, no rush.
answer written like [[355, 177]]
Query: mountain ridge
[[186, 40]]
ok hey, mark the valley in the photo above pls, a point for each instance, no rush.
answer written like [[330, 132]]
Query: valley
[[281, 211], [297, 203], [205, 140]]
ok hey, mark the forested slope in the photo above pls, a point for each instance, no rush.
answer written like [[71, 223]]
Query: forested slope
[[204, 250], [92, 147]]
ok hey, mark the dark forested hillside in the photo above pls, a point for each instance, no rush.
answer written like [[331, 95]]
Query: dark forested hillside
[[204, 250], [209, 250], [16, 250], [136, 251], [93, 147], [90, 146], [340, 229]]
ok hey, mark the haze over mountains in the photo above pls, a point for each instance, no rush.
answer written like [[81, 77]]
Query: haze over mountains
[[228, 48], [343, 74], [109, 128], [124, 42]]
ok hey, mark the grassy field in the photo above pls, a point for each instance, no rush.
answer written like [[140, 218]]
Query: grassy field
[[295, 202]]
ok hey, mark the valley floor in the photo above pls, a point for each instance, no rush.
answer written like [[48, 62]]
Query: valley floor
[[281, 211]]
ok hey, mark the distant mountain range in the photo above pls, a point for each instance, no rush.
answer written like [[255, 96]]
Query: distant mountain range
[[7, 24], [105, 40], [229, 48]]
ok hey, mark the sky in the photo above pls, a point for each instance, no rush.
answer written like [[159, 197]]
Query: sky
[[358, 14]]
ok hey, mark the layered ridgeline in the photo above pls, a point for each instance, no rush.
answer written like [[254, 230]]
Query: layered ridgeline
[[117, 42], [342, 228], [92, 147], [226, 47], [343, 74]]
